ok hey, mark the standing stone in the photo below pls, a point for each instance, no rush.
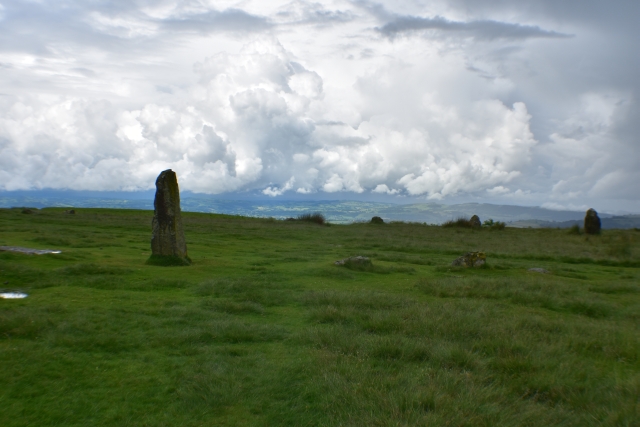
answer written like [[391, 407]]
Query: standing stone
[[592, 222], [475, 222], [167, 239], [377, 220]]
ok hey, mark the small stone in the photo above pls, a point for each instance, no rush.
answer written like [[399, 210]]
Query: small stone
[[539, 270], [475, 222], [167, 239], [70, 212], [26, 211], [592, 223], [470, 259], [377, 220], [354, 260]]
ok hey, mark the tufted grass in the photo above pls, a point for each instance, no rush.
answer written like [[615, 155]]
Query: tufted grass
[[263, 330]]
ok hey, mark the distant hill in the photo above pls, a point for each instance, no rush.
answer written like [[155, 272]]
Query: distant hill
[[336, 211], [622, 221]]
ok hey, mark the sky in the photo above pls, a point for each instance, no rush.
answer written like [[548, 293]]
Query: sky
[[525, 102]]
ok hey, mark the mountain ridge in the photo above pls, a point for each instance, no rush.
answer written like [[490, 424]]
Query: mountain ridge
[[336, 211]]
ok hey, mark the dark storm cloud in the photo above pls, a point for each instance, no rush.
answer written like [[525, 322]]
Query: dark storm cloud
[[301, 12], [485, 29], [230, 20], [34, 29], [617, 15]]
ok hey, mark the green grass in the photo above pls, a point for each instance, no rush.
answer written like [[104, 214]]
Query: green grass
[[263, 330]]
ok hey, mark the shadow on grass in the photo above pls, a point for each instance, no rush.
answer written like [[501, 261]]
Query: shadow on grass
[[168, 261]]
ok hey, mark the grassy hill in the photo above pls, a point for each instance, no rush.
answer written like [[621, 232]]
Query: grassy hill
[[263, 329], [613, 222], [337, 211]]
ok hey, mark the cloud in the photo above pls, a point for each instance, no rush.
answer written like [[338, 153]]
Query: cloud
[[383, 189], [564, 207], [305, 12], [275, 191], [253, 122], [483, 29], [498, 104], [229, 20]]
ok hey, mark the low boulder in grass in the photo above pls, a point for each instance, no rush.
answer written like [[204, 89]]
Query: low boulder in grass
[[539, 270], [377, 220], [355, 260], [592, 223], [470, 259], [475, 222]]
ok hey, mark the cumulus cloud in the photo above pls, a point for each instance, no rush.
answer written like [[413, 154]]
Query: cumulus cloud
[[383, 189], [475, 100], [275, 191]]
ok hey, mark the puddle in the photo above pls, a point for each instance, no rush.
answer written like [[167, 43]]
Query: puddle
[[28, 250], [12, 295]]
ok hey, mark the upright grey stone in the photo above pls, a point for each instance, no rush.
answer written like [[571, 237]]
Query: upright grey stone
[[592, 222], [377, 220], [167, 239], [475, 222]]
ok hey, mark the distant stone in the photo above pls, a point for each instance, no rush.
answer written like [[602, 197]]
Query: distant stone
[[592, 223], [361, 260], [470, 259], [70, 212], [377, 220], [475, 222], [290, 219], [168, 244], [26, 211], [539, 270]]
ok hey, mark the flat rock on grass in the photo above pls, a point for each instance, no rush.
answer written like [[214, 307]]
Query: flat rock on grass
[[470, 259], [539, 270], [354, 260]]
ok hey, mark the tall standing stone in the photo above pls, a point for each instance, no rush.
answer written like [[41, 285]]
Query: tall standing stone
[[167, 238], [592, 222], [475, 222]]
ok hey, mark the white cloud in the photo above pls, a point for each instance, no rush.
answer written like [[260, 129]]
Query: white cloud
[[383, 189], [564, 206], [275, 191], [499, 189]]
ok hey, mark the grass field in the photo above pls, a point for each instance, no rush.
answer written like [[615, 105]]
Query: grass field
[[263, 329]]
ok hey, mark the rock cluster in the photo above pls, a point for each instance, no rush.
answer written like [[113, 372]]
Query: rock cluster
[[592, 223], [167, 239], [377, 220], [470, 259]]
